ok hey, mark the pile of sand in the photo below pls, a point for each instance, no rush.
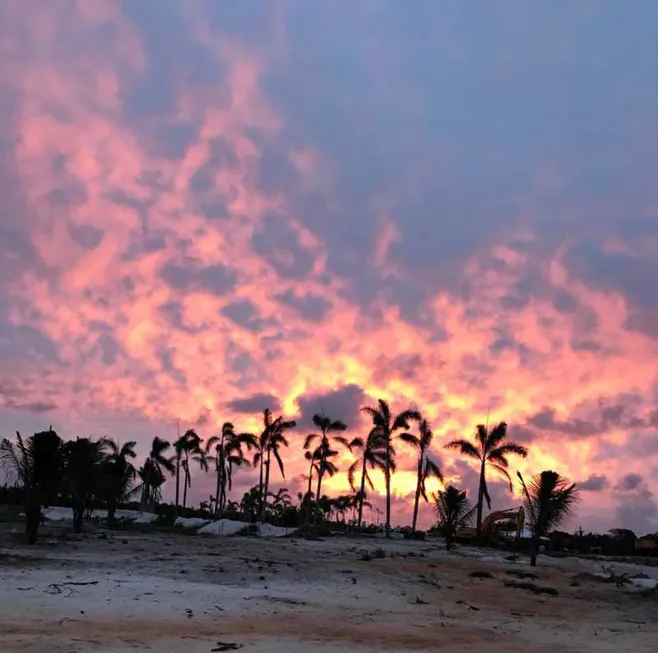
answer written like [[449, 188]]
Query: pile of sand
[[222, 527], [191, 522], [231, 527]]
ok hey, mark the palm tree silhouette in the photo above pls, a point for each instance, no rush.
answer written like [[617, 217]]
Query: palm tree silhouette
[[453, 510], [373, 456], [152, 472], [490, 449], [188, 449], [37, 464], [250, 504], [228, 454], [549, 499], [117, 476], [427, 468], [388, 425], [269, 443], [324, 452], [83, 458], [280, 502]]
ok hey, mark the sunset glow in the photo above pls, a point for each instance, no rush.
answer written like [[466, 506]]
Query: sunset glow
[[211, 208]]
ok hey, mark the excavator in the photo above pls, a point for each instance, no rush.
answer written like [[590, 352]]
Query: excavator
[[467, 534]]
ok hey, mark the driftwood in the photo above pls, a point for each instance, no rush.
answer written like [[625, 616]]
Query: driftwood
[[226, 646], [531, 587], [57, 587]]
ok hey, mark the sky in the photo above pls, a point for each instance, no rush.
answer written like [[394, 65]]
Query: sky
[[209, 208]]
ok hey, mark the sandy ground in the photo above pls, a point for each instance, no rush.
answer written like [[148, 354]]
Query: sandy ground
[[128, 591]]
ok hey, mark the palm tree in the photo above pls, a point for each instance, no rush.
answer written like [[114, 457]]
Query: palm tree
[[549, 499], [117, 476], [36, 464], [270, 441], [324, 452], [152, 472], [427, 468], [453, 510], [388, 425], [188, 448], [250, 504], [228, 454], [280, 502], [83, 458], [180, 444], [490, 449], [373, 456]]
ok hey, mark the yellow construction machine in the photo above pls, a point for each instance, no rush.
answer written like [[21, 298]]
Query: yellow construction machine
[[468, 534]]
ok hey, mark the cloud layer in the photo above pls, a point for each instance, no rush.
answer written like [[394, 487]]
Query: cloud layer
[[209, 207]]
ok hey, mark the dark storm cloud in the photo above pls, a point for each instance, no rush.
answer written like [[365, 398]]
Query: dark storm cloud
[[310, 306], [86, 235], [636, 506], [255, 403], [536, 112], [342, 404], [600, 417], [245, 313], [594, 483], [217, 279], [629, 482], [278, 243], [631, 275]]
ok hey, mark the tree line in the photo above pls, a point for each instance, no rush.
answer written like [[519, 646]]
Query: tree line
[[83, 470]]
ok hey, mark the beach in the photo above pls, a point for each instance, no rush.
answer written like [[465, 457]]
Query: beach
[[115, 591]]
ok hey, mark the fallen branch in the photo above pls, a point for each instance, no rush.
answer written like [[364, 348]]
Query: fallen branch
[[531, 587]]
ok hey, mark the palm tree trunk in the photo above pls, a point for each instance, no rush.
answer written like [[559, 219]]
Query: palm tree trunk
[[306, 501], [177, 479], [261, 482], [266, 487], [417, 498], [362, 493], [387, 528], [319, 486], [217, 491], [111, 511], [535, 551], [186, 482], [78, 516], [32, 519], [480, 502], [146, 488], [310, 480]]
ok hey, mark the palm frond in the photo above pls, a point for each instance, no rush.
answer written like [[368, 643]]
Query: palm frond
[[505, 474], [403, 419], [351, 474], [511, 448], [496, 435], [410, 439], [310, 438], [464, 447]]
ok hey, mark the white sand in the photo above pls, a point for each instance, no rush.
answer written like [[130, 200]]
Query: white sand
[[173, 593]]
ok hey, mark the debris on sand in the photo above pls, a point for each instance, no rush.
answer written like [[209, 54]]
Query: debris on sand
[[532, 587], [480, 574], [519, 573], [226, 646], [367, 556]]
